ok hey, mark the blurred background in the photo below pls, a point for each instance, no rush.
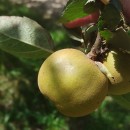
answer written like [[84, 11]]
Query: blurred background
[[22, 106]]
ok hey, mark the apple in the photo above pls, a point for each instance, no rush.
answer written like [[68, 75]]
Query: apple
[[92, 18], [72, 82]]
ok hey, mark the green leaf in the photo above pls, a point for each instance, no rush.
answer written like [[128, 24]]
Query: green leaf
[[120, 40], [111, 17], [123, 100], [100, 24], [24, 37], [73, 10], [116, 4], [106, 34], [91, 29], [91, 6]]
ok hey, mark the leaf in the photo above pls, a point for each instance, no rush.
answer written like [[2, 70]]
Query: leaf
[[91, 29], [123, 100], [106, 34], [111, 16], [116, 4], [73, 10], [100, 24], [24, 37], [120, 40], [90, 6]]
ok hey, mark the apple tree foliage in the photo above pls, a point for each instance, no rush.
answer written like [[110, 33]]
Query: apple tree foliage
[[24, 37]]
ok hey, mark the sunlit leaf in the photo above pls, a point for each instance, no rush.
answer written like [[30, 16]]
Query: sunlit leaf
[[73, 10], [24, 37], [106, 34]]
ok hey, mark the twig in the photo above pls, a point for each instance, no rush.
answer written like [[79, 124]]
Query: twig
[[96, 48]]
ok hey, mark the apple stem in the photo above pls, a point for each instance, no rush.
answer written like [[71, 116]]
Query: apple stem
[[95, 50]]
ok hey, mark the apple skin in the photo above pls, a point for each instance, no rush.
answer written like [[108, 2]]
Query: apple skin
[[92, 18], [126, 9], [118, 64], [72, 82]]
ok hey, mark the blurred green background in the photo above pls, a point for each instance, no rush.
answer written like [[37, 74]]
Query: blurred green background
[[22, 106]]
